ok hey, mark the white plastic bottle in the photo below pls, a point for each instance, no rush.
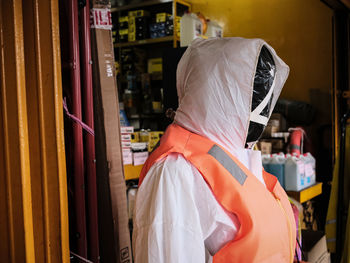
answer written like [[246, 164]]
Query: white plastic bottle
[[214, 29], [294, 174], [190, 28], [310, 168]]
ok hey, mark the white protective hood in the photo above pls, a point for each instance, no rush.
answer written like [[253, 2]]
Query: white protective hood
[[215, 80]]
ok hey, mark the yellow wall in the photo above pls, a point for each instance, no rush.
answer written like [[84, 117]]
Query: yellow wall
[[299, 30]]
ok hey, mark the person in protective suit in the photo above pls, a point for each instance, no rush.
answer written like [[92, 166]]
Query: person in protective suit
[[203, 195]]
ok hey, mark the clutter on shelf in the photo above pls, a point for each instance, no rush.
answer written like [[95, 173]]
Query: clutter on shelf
[[293, 172], [195, 25], [136, 146]]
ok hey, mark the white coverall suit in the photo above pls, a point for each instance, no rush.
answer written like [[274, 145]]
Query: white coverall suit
[[177, 218]]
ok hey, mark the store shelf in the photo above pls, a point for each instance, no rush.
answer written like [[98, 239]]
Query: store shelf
[[140, 5], [154, 115], [132, 172], [307, 193], [145, 42]]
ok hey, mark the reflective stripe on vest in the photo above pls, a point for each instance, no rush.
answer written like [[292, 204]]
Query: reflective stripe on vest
[[267, 232], [228, 163]]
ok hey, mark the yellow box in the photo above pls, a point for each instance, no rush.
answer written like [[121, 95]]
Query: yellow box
[[132, 36], [154, 138], [135, 137], [131, 20], [138, 13], [162, 17], [123, 19], [132, 29], [123, 32], [132, 171], [155, 65]]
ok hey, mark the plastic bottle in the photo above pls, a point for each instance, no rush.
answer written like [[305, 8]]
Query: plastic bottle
[[294, 174], [277, 167], [266, 159], [310, 168], [214, 29], [190, 28]]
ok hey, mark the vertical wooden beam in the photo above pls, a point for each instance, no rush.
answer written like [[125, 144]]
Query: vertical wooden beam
[[44, 93], [15, 135], [33, 194]]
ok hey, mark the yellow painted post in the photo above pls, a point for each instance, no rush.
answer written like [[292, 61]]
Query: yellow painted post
[[33, 188], [15, 147]]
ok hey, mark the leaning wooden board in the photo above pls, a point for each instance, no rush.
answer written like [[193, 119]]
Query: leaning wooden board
[[113, 218]]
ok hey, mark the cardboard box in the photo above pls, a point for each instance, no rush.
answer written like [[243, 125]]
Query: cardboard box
[[126, 137], [132, 36], [127, 156], [135, 137], [139, 158], [277, 145], [138, 13], [123, 19], [154, 138], [265, 147], [127, 129], [126, 144], [123, 32], [155, 65], [114, 232], [162, 17], [315, 246]]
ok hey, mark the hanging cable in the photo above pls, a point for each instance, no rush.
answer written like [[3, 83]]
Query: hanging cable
[[77, 120]]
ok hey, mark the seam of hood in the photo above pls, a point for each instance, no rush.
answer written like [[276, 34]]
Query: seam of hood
[[261, 44], [283, 82], [280, 66]]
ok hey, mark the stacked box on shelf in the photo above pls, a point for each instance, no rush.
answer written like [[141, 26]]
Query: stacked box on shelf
[[123, 29], [162, 17], [154, 138], [133, 59], [139, 153], [274, 134], [141, 27], [164, 26], [157, 30], [138, 25], [126, 144], [150, 137], [134, 151]]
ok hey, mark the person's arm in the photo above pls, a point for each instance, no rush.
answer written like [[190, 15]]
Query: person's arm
[[167, 225]]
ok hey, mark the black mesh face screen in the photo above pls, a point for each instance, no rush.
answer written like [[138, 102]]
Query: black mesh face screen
[[263, 80]]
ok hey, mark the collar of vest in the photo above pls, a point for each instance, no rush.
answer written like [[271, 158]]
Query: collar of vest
[[179, 140]]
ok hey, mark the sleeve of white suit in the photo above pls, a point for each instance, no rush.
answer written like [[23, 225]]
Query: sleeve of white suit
[[169, 211]]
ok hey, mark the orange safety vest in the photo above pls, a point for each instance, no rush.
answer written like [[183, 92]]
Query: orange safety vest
[[267, 232]]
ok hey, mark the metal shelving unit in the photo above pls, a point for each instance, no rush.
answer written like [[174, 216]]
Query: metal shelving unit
[[140, 5], [174, 37], [145, 42]]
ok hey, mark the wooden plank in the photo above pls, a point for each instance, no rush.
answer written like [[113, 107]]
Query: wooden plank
[[33, 206], [15, 135], [44, 101]]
